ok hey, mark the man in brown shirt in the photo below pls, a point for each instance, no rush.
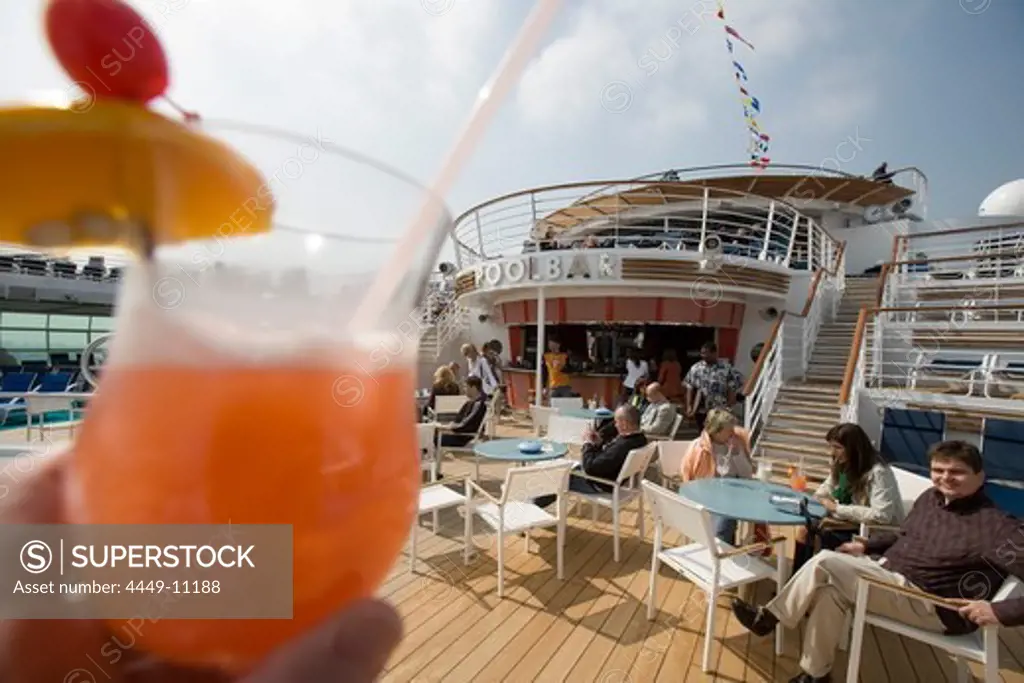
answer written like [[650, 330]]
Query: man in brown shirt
[[953, 544]]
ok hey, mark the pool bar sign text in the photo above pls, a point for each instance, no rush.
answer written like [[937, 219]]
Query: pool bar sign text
[[573, 266]]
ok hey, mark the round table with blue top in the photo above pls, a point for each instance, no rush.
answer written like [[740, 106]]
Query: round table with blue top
[[748, 500], [512, 450]]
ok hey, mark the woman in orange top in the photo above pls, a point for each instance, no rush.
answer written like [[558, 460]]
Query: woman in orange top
[[670, 376], [721, 450]]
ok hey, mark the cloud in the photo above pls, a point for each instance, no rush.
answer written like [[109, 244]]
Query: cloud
[[836, 99], [667, 65]]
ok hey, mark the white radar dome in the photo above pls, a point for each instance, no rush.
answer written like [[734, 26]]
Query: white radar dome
[[1005, 200]]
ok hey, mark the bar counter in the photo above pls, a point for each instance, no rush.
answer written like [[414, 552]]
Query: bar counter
[[605, 385]]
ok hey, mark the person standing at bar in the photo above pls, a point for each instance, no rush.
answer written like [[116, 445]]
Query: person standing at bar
[[636, 370], [670, 376], [710, 383], [555, 360], [477, 366]]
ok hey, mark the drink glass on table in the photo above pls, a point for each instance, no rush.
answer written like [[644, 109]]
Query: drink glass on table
[[797, 480], [242, 388]]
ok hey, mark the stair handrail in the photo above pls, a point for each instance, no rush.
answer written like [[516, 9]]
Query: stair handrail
[[856, 353], [849, 410]]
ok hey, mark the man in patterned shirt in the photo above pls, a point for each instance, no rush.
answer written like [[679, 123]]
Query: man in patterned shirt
[[710, 383]]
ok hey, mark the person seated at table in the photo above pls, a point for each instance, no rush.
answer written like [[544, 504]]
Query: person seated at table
[[467, 422], [954, 532], [444, 384], [605, 459], [721, 450], [659, 415], [860, 489]]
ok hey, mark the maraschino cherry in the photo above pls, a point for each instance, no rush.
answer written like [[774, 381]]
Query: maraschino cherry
[[107, 48]]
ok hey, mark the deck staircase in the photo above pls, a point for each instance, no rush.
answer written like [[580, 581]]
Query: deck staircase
[[806, 408], [439, 332], [429, 348], [832, 347]]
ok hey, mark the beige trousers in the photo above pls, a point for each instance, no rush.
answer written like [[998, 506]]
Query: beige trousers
[[825, 589]]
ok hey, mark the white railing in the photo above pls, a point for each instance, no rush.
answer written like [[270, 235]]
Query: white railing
[[790, 345], [441, 311], [451, 323], [760, 400], [803, 328], [824, 306], [984, 236], [641, 215], [970, 355]]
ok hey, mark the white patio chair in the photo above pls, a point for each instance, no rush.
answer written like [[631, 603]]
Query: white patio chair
[[980, 646], [447, 407], [567, 429], [676, 424], [566, 403], [625, 489], [426, 435], [541, 416], [670, 460], [710, 564], [514, 512], [434, 497]]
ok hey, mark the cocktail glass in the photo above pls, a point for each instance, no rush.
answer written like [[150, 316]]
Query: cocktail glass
[[797, 479], [246, 385]]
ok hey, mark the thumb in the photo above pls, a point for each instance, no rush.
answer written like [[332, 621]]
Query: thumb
[[351, 647]]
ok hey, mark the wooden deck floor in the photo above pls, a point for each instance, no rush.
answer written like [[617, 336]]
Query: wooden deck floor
[[592, 626]]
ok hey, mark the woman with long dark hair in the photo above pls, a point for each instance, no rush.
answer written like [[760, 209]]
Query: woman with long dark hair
[[860, 489]]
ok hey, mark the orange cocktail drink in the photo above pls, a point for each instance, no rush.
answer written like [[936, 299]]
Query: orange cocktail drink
[[200, 419], [268, 446], [242, 387]]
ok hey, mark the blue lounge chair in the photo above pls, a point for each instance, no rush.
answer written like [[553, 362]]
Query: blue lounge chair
[[908, 434], [14, 382]]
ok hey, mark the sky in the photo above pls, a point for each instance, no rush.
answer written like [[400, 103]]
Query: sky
[[617, 89]]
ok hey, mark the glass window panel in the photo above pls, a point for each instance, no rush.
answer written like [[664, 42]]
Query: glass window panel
[[69, 322], [68, 341], [32, 320], [102, 323], [23, 340], [31, 356]]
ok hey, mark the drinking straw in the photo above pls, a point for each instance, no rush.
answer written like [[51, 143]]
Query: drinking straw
[[390, 277]]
